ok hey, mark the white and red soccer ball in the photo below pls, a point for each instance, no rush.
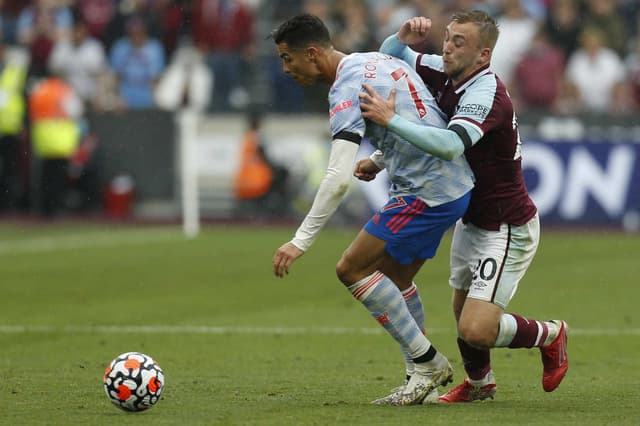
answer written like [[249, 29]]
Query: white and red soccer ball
[[133, 381]]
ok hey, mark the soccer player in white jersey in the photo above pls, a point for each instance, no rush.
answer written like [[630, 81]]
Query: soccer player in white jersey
[[496, 240], [427, 194]]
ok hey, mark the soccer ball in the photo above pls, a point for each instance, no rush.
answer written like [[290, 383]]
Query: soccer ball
[[133, 381]]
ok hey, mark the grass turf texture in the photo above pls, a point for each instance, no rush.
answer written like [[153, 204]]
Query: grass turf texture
[[293, 351]]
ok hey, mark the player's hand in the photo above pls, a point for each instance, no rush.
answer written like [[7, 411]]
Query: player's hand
[[366, 170], [284, 258], [375, 108], [414, 30]]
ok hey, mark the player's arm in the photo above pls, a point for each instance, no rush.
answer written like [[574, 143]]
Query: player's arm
[[332, 189], [392, 46], [443, 143], [446, 143], [412, 31]]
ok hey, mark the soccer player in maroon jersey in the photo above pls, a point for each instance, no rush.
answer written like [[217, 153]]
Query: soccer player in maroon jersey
[[496, 240]]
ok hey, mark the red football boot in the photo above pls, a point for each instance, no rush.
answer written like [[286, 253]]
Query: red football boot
[[466, 392], [554, 359]]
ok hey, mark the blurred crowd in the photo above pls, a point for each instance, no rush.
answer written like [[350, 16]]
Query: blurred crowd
[[61, 60], [555, 55]]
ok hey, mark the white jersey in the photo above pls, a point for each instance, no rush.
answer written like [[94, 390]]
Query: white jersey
[[412, 171]]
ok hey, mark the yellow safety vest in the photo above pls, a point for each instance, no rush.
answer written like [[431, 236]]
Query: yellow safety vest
[[12, 102], [55, 138]]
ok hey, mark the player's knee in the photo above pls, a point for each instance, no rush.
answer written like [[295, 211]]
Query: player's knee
[[477, 334], [344, 271]]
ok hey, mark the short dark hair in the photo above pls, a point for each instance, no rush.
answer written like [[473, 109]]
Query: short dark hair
[[487, 26], [301, 31]]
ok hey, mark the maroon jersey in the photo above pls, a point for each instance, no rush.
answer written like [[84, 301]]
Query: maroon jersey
[[481, 107]]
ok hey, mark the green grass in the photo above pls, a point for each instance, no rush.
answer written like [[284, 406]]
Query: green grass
[[61, 285]]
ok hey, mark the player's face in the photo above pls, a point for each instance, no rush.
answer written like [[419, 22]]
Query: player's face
[[298, 64], [461, 51]]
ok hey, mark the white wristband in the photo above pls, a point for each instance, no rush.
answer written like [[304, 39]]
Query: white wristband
[[377, 158]]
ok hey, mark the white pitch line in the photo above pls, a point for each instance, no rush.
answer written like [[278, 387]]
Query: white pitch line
[[88, 240], [217, 330]]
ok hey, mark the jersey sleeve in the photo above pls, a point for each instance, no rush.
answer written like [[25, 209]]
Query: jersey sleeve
[[345, 117], [480, 109], [332, 189]]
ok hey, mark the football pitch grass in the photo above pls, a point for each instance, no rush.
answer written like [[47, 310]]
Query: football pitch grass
[[240, 347]]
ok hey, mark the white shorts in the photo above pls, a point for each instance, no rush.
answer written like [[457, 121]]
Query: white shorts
[[490, 264]]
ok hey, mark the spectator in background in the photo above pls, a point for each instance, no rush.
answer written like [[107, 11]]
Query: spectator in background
[[54, 112], [79, 60], [138, 61], [276, 201], [563, 25], [516, 31], [593, 72], [9, 11], [170, 17], [603, 14], [13, 75], [539, 75], [354, 32], [97, 14], [125, 10], [186, 82], [39, 27], [166, 20], [224, 31], [254, 176]]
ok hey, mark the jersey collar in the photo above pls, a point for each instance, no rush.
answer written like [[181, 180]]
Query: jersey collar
[[459, 88]]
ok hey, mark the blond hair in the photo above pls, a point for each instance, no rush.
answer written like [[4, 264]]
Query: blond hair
[[487, 26]]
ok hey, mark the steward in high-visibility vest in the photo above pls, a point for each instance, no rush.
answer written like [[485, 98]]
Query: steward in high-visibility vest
[[54, 109], [14, 63], [254, 175], [12, 104]]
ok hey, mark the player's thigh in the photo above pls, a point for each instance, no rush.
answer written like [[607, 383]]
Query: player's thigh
[[364, 256], [458, 300], [412, 229], [460, 264], [495, 261]]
